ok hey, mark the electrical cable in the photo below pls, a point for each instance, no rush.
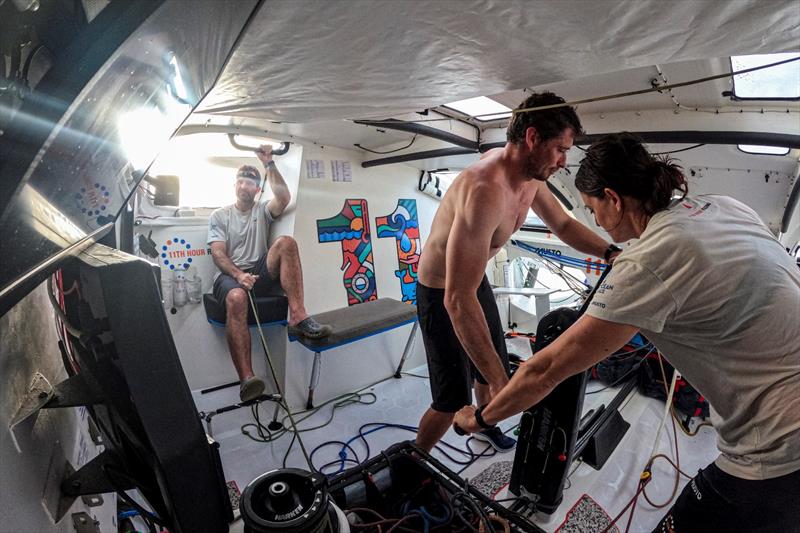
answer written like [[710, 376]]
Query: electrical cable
[[630, 502], [622, 378], [677, 462], [75, 332], [685, 430], [476, 456], [149, 517], [342, 455], [675, 375], [470, 453], [464, 495], [678, 151], [338, 402], [414, 138], [265, 435], [275, 377], [549, 260], [646, 475], [678, 473], [63, 335]]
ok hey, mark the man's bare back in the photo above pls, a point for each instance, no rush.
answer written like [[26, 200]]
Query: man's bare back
[[483, 185]]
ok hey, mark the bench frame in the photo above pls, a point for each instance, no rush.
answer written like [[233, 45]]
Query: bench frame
[[317, 365]]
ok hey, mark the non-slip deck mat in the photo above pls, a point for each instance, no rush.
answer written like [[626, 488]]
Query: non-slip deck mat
[[493, 478], [586, 516], [234, 494]]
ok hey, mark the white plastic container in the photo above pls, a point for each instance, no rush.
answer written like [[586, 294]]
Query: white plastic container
[[179, 294], [194, 290]]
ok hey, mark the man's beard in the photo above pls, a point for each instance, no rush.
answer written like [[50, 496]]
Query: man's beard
[[533, 169]]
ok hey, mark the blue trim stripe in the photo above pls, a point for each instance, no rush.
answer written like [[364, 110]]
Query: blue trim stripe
[[563, 259], [273, 323]]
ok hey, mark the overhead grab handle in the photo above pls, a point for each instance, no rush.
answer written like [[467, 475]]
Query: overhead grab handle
[[282, 149]]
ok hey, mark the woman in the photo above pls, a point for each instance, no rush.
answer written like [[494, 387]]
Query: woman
[[718, 295]]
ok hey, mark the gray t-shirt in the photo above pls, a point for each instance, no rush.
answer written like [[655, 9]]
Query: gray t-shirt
[[719, 296], [244, 233]]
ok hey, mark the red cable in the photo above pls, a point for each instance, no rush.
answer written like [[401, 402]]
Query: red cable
[[498, 491], [631, 502]]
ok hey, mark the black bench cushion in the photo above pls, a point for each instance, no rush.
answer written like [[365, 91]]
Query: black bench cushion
[[270, 309], [359, 321]]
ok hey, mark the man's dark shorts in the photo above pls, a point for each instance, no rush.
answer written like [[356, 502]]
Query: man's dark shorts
[[264, 286], [719, 502], [450, 368]]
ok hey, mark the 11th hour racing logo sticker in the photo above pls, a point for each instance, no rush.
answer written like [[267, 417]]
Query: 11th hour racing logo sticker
[[179, 253], [92, 200]]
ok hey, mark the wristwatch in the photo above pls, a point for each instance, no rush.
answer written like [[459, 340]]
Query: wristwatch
[[479, 419], [610, 250], [269, 164]]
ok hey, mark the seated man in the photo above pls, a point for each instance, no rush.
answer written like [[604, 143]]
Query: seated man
[[237, 235]]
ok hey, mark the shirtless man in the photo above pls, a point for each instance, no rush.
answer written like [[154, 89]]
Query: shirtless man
[[488, 202]]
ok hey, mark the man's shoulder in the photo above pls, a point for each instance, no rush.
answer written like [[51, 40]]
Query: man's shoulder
[[485, 176], [225, 210], [479, 185]]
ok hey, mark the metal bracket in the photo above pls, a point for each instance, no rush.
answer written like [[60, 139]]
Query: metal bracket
[[94, 431], [83, 523], [92, 500], [64, 485], [74, 392], [39, 393], [92, 478]]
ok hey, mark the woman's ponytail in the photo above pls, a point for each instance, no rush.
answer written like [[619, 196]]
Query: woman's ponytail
[[664, 178]]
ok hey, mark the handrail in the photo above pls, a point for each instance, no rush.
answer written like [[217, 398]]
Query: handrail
[[280, 151]]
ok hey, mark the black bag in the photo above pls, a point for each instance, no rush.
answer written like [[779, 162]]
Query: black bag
[[686, 398]]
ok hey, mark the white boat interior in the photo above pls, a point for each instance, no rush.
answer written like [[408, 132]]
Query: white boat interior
[[122, 126]]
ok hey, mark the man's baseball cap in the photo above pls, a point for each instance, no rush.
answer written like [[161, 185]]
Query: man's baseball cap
[[250, 172]]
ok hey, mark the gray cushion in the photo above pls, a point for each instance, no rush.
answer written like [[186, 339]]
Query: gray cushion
[[359, 321]]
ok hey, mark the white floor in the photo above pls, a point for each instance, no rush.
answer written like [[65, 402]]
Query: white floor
[[402, 401]]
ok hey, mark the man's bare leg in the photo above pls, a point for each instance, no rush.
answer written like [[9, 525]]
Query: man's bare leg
[[432, 427], [283, 261], [237, 332], [482, 394]]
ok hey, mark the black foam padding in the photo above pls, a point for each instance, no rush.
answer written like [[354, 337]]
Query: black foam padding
[[270, 309], [605, 440], [360, 321]]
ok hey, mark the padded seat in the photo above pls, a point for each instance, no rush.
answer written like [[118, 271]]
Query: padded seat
[[358, 322], [270, 309]]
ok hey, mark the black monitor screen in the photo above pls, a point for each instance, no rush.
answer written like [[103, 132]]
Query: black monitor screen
[[122, 346]]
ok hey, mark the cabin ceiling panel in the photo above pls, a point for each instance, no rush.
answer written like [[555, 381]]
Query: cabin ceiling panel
[[704, 95], [339, 133], [316, 60]]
